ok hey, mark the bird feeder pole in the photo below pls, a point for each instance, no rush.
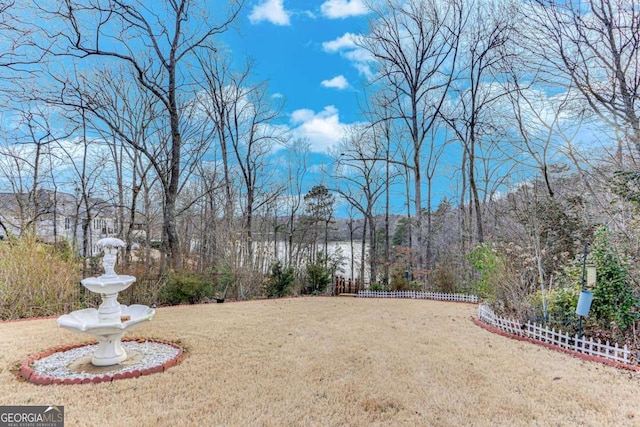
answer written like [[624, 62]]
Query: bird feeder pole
[[586, 296]]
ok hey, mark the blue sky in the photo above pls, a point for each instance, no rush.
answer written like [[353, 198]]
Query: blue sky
[[305, 50]]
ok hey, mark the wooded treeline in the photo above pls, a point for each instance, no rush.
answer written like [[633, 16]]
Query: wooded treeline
[[528, 110]]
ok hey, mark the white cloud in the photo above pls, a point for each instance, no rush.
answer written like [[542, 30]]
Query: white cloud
[[338, 82], [344, 42], [347, 46], [335, 9], [323, 130], [271, 11]]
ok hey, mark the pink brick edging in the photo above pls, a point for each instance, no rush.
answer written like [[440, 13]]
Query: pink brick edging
[[27, 373], [573, 353]]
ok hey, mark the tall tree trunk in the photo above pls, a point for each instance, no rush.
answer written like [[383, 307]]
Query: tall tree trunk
[[473, 186], [363, 252], [372, 247]]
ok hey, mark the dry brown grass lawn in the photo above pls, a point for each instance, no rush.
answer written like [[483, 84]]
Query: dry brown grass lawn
[[332, 362]]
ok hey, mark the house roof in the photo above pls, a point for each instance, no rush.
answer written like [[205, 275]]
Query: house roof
[[63, 203]]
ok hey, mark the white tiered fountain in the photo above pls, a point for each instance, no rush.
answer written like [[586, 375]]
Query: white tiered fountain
[[111, 320]]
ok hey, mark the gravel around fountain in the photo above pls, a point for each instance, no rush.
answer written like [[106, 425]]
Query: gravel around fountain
[[72, 364]]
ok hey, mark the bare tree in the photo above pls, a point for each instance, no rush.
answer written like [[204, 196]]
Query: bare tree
[[470, 114], [296, 157], [19, 53], [86, 164], [384, 131], [594, 47], [156, 46], [361, 175], [540, 127], [28, 162], [212, 240], [242, 116], [133, 113], [437, 146], [217, 105], [415, 45]]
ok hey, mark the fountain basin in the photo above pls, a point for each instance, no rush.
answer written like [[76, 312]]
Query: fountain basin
[[108, 333], [107, 285], [87, 320]]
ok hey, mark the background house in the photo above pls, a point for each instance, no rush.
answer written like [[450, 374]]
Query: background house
[[56, 216]]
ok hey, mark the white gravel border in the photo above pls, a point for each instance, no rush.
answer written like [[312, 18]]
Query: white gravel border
[[57, 364]]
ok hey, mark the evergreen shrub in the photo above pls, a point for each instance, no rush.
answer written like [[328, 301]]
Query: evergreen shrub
[[318, 275], [186, 287], [280, 281]]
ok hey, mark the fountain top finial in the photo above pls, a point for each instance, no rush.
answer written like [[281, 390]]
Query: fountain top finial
[[110, 242], [110, 247]]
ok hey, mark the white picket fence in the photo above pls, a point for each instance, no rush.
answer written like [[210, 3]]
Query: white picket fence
[[540, 333], [418, 295]]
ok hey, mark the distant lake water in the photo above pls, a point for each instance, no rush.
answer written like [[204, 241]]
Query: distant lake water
[[342, 251]]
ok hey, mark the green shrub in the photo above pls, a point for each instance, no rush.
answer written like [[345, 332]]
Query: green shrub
[[614, 302], [227, 279], [318, 275], [561, 308], [280, 281], [491, 268], [613, 296], [562, 305], [376, 286], [186, 287]]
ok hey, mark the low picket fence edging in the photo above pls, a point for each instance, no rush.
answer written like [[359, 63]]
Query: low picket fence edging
[[558, 338], [419, 295]]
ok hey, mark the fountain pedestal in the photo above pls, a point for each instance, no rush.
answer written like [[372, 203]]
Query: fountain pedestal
[[111, 320], [109, 310], [109, 351]]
